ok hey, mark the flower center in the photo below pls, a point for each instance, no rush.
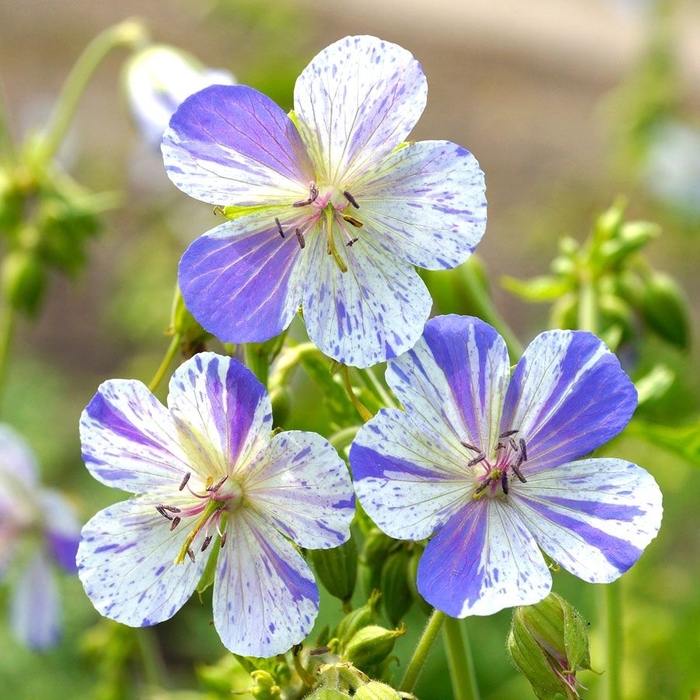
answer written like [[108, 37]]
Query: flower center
[[493, 473], [210, 511], [324, 209]]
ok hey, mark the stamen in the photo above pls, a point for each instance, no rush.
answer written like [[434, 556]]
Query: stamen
[[279, 227], [476, 460], [513, 444], [217, 485], [500, 446], [523, 449], [184, 481], [190, 554], [353, 221], [508, 433], [351, 242], [223, 539], [163, 510], [176, 521], [504, 482], [351, 199], [300, 238], [469, 447], [206, 543], [313, 194], [516, 471]]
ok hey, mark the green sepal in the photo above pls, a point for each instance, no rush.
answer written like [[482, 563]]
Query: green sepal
[[374, 690], [371, 645], [397, 597], [336, 568], [665, 309]]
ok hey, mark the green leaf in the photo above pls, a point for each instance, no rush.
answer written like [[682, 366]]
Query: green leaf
[[683, 440]]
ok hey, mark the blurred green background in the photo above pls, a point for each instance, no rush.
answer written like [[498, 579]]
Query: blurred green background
[[561, 104]]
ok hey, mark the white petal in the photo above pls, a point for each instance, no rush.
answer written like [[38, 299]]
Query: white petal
[[303, 486], [356, 101], [265, 596], [593, 516], [126, 564], [16, 458]]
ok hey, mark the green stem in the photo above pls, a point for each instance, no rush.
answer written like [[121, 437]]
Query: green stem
[[131, 33], [344, 437], [460, 660], [169, 355], [374, 385], [420, 655], [612, 607], [151, 658], [7, 331], [486, 310]]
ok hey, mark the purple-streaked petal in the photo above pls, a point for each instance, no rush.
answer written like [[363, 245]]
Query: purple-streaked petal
[[482, 561], [373, 311], [239, 280], [409, 480], [593, 516], [567, 397], [126, 564], [425, 203], [232, 145], [16, 458], [303, 487], [62, 528], [457, 372], [129, 439], [222, 412], [357, 100], [265, 596], [35, 606]]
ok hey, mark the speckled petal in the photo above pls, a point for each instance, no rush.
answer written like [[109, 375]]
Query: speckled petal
[[482, 561], [265, 596], [356, 101], [593, 516], [129, 440], [239, 280], [567, 397], [303, 486], [34, 605], [373, 311], [408, 478], [222, 411], [424, 203], [62, 528], [126, 564], [232, 145], [456, 374]]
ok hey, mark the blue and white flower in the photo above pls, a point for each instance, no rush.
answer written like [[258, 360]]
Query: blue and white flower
[[210, 479], [39, 531], [330, 208], [488, 465], [157, 80]]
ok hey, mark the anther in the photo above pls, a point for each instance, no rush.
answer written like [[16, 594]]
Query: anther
[[184, 481], [513, 444], [190, 554], [508, 433], [353, 221], [504, 482], [476, 460], [223, 540], [516, 471], [468, 446], [500, 446], [351, 242], [279, 227], [206, 543], [217, 485], [351, 199], [313, 193], [176, 521], [523, 449], [162, 511], [300, 238]]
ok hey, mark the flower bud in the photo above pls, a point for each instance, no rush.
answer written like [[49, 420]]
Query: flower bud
[[548, 643], [374, 690], [371, 645], [23, 281], [396, 592], [327, 694], [665, 309], [266, 687], [336, 568], [357, 619]]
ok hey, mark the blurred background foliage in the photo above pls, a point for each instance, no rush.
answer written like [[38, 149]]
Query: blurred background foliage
[[560, 129]]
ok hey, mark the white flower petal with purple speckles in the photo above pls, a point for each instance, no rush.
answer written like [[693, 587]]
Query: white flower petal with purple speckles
[[408, 480], [34, 604], [303, 486], [356, 101], [240, 280], [483, 560], [594, 516], [16, 459], [265, 596], [222, 412], [129, 439], [567, 397], [424, 202], [373, 311], [126, 564], [232, 145], [62, 528]]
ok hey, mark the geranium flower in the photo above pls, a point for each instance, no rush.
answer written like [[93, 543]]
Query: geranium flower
[[488, 466], [157, 79], [211, 480], [39, 530], [330, 208]]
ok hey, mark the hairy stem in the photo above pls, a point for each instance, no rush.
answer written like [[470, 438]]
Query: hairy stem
[[420, 654]]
